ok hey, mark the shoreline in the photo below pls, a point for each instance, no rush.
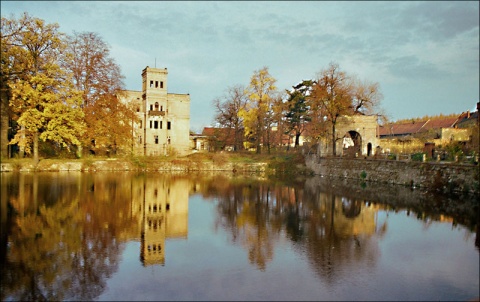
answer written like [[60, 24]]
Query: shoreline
[[116, 165]]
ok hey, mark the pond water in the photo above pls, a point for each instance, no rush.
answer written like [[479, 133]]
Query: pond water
[[127, 236]]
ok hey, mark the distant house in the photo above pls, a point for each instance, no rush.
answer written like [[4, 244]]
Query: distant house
[[441, 129], [467, 119], [400, 129], [221, 138], [218, 138], [199, 142]]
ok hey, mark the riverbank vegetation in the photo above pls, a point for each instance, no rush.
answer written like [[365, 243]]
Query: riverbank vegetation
[[274, 164]]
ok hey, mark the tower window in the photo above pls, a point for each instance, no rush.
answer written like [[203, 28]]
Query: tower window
[[151, 84], [169, 125], [141, 124], [161, 124], [151, 107], [156, 105], [150, 124], [156, 139], [155, 124], [161, 84], [156, 84]]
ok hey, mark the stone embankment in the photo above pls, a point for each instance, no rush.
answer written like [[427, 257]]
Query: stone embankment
[[47, 165], [444, 177]]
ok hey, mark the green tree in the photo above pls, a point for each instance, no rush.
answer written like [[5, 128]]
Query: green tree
[[298, 109], [43, 99]]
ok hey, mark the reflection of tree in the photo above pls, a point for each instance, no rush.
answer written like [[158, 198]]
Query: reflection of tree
[[41, 255], [245, 212], [66, 246], [257, 213], [255, 233], [335, 243]]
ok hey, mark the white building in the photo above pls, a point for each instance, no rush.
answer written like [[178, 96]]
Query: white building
[[163, 119]]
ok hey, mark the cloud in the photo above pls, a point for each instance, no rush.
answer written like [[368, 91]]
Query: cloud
[[417, 51]]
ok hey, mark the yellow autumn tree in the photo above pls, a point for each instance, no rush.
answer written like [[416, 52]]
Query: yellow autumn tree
[[43, 100], [261, 93], [96, 74]]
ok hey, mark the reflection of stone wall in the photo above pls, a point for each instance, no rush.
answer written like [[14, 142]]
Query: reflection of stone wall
[[177, 212], [463, 210], [454, 177]]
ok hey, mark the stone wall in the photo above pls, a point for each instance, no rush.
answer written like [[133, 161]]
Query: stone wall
[[48, 165], [444, 177]]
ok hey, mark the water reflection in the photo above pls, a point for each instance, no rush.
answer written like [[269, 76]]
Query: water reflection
[[333, 231], [161, 207], [53, 253], [63, 234]]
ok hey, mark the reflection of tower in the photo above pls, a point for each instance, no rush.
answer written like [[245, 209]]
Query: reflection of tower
[[164, 213], [153, 226]]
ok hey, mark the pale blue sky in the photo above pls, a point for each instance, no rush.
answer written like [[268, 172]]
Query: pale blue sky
[[424, 55]]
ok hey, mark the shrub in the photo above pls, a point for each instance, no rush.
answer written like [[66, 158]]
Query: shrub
[[417, 157]]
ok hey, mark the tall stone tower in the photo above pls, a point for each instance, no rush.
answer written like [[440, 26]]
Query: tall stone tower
[[163, 119]]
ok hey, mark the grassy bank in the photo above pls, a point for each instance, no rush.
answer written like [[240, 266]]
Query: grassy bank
[[273, 164]]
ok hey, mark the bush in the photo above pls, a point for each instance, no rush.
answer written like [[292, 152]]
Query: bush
[[417, 157]]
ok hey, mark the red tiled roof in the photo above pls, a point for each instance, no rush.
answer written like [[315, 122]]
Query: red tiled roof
[[447, 122], [226, 135], [401, 129], [467, 117]]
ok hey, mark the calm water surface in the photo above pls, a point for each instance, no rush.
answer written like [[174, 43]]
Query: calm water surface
[[126, 236]]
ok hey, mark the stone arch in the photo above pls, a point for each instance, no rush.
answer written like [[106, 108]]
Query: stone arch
[[352, 143]]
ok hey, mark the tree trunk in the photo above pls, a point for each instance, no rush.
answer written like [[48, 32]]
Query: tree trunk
[[35, 147], [334, 146], [268, 139], [258, 137], [297, 139], [4, 125]]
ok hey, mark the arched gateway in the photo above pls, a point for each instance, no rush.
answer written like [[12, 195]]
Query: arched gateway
[[356, 136]]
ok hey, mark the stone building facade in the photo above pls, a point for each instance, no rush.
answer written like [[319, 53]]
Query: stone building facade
[[356, 135], [162, 125]]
